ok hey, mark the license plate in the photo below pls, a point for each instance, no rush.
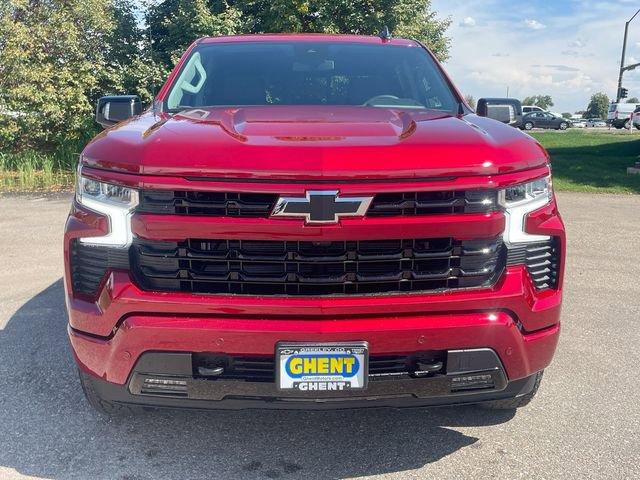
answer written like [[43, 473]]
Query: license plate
[[322, 367]]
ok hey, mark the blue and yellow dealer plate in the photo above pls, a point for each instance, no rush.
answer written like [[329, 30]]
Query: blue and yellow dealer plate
[[320, 367]]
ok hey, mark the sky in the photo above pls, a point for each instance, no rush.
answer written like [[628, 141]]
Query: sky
[[569, 49]]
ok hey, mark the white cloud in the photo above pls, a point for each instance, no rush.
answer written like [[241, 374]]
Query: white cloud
[[468, 22], [571, 66], [534, 24]]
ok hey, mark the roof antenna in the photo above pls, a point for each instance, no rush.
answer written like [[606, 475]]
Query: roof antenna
[[385, 34]]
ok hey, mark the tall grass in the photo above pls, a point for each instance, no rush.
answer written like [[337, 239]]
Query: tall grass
[[33, 170]]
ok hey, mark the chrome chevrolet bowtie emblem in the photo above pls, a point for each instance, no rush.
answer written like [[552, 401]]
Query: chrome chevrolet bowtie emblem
[[321, 206]]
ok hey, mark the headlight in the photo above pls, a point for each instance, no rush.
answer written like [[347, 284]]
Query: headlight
[[520, 200], [115, 202]]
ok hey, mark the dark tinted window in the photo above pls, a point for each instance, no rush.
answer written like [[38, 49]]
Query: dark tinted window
[[310, 73]]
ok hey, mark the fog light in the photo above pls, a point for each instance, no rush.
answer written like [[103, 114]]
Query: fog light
[[472, 382]]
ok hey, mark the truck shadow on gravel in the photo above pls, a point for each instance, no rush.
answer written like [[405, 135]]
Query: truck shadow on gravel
[[48, 430]]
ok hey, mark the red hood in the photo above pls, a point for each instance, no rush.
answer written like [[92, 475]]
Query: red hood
[[313, 143]]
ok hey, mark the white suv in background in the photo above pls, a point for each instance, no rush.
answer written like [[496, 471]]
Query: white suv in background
[[619, 114], [636, 117]]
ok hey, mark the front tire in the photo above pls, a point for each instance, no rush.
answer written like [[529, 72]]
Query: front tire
[[528, 126], [517, 402], [563, 126]]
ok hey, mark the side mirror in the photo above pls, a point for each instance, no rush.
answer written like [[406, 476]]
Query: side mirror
[[116, 108], [505, 110]]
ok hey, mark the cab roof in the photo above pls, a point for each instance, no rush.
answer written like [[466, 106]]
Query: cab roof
[[308, 37]]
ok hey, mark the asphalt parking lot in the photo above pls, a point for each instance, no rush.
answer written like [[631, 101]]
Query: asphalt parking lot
[[584, 423]]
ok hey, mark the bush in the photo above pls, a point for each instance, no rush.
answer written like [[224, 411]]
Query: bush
[[50, 66]]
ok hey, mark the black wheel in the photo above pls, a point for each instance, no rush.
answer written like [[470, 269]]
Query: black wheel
[[563, 126], [626, 125], [102, 406], [528, 125], [517, 402]]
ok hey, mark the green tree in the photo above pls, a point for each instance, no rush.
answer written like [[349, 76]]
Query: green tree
[[131, 67], [566, 115], [405, 18], [175, 24], [50, 62], [598, 106], [633, 100], [542, 101]]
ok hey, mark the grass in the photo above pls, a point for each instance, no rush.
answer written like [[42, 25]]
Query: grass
[[593, 161], [37, 171], [583, 161]]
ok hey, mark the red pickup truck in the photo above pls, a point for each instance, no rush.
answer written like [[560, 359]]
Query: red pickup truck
[[311, 221]]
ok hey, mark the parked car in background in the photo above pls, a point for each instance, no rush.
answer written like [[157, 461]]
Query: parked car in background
[[543, 120], [595, 122], [533, 108], [505, 110], [578, 123], [619, 114]]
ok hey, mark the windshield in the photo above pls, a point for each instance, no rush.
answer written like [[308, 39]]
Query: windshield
[[310, 73]]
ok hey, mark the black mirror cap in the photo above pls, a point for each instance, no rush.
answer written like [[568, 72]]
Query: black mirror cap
[[116, 108], [505, 110], [484, 103]]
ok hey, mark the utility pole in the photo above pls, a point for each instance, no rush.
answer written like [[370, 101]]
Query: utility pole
[[624, 52]]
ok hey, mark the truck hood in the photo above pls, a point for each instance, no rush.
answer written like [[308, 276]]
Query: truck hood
[[294, 143]]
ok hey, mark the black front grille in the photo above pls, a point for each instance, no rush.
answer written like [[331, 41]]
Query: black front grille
[[431, 203], [221, 204], [260, 205], [90, 263], [255, 267], [541, 260]]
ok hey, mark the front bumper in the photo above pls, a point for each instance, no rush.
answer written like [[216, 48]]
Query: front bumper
[[511, 319], [201, 393], [117, 360]]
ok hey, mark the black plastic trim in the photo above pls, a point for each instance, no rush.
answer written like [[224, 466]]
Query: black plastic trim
[[212, 394]]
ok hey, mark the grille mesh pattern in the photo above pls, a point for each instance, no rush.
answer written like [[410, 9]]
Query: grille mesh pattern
[[207, 203], [316, 268], [541, 260], [260, 205], [431, 203], [90, 263]]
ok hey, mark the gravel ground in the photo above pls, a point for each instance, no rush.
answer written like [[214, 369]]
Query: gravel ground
[[584, 423]]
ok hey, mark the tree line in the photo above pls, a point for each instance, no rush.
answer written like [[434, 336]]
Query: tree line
[[58, 56], [597, 108]]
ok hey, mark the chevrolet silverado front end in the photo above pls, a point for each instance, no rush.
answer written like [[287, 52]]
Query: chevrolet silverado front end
[[306, 221]]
